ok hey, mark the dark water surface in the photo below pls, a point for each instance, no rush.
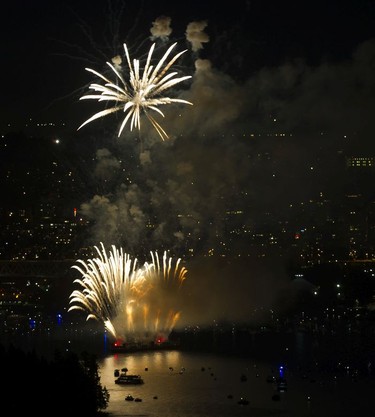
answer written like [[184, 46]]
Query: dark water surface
[[182, 384], [328, 376]]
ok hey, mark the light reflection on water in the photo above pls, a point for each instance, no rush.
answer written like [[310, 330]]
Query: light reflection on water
[[181, 384]]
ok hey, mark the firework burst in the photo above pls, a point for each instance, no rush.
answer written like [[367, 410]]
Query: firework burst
[[142, 93], [134, 303]]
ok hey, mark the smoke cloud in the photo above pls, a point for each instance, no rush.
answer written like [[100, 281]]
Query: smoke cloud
[[196, 36], [161, 28], [260, 144]]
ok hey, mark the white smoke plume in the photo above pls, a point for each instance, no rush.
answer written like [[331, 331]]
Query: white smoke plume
[[161, 28], [196, 36]]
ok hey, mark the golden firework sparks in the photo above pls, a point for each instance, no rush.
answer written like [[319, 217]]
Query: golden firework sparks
[[143, 92], [132, 302]]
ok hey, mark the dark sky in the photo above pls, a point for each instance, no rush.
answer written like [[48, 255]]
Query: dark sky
[[47, 44]]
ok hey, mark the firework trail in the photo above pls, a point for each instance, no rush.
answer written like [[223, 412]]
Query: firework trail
[[134, 303], [142, 93]]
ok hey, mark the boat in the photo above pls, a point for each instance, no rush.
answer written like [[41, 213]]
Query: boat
[[281, 384], [128, 379], [121, 347], [243, 401], [129, 398], [270, 379]]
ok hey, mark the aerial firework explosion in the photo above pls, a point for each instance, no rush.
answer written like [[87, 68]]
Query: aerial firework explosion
[[134, 303], [142, 93]]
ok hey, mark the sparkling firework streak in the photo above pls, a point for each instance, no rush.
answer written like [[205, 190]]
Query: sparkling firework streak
[[142, 93], [134, 303]]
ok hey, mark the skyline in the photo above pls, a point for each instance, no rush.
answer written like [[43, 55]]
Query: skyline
[[255, 249]]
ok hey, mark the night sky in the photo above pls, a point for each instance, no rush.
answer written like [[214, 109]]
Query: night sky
[[46, 46], [301, 72]]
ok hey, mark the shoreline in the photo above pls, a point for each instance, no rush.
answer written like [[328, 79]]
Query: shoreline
[[336, 352]]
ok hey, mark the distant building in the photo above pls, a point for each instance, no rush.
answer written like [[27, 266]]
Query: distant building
[[360, 162]]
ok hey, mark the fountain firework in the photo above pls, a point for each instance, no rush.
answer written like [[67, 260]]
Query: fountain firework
[[134, 303]]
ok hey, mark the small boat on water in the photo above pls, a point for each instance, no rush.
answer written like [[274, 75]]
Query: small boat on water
[[122, 347], [129, 398], [271, 379], [243, 401], [281, 384], [125, 379]]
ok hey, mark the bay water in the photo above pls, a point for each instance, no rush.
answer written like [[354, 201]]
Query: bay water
[[187, 384]]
